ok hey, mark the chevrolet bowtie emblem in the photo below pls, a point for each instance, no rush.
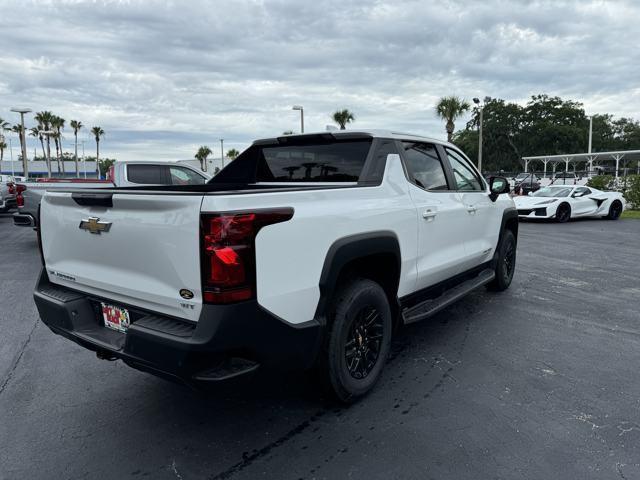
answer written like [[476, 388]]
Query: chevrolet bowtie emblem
[[94, 225]]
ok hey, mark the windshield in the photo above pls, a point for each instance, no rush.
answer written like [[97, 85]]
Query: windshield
[[552, 192]]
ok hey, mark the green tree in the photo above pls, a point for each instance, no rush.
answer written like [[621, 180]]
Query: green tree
[[97, 133], [44, 123], [450, 109], [343, 117], [57, 124], [76, 125], [104, 165], [201, 155], [232, 154]]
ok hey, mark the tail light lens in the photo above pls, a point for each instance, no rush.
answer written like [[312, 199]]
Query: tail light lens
[[12, 188], [228, 252], [19, 198]]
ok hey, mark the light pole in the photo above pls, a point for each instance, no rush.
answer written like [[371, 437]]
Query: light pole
[[299, 107], [23, 139], [222, 151], [481, 107]]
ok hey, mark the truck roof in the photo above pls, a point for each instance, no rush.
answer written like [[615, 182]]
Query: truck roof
[[345, 134]]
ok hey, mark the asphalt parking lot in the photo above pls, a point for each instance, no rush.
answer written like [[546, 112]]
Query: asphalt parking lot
[[538, 382]]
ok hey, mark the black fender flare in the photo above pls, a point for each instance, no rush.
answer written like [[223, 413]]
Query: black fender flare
[[509, 221], [347, 249]]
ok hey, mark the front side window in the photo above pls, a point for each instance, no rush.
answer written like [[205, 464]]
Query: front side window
[[322, 162], [466, 178], [184, 176], [424, 166]]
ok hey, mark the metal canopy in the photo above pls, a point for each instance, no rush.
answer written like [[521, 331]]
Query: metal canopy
[[594, 157]]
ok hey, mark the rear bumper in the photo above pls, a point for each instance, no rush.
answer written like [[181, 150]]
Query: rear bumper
[[24, 220], [227, 338]]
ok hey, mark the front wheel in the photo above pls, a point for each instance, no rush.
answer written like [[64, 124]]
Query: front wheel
[[563, 214], [506, 262], [615, 210], [358, 340]]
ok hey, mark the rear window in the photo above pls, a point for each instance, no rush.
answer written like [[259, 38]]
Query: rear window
[[330, 162], [146, 174]]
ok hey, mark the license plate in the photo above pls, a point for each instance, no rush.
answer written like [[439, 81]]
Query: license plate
[[115, 318]]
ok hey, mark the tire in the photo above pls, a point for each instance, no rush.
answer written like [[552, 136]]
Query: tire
[[615, 210], [506, 263], [361, 311], [563, 214]]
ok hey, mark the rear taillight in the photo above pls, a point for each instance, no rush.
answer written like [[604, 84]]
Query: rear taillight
[[12, 188], [19, 198], [228, 252]]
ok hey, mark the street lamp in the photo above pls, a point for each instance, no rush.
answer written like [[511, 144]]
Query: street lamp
[[481, 107], [299, 107], [23, 140], [222, 151]]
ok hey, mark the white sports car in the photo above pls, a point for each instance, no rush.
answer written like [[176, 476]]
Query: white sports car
[[564, 202]]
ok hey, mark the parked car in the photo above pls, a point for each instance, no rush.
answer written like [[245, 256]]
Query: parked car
[[7, 193], [564, 202], [525, 183], [121, 174], [307, 250], [565, 178]]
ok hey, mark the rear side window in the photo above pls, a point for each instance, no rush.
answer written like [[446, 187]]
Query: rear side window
[[424, 166], [330, 162], [147, 174]]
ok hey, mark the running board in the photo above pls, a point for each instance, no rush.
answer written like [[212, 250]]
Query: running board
[[230, 368], [433, 305]]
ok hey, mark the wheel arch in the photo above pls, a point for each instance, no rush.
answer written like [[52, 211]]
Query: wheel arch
[[509, 222], [374, 255]]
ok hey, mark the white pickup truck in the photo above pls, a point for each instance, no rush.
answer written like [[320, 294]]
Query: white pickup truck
[[121, 174], [306, 251]]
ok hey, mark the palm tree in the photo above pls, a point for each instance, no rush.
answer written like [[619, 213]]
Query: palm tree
[[3, 145], [57, 124], [450, 109], [36, 132], [232, 154], [342, 117], [97, 132], [44, 122], [17, 129], [4, 125], [76, 125], [201, 155]]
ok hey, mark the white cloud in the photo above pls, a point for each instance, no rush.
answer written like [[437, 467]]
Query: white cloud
[[164, 77]]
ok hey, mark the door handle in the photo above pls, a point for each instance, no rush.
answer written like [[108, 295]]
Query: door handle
[[471, 209], [429, 214]]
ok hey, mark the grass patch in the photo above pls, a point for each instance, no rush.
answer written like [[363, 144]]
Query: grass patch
[[631, 214]]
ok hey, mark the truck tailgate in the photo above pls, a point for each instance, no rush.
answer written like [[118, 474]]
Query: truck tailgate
[[143, 250]]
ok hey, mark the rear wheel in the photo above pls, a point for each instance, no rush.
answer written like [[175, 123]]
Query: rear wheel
[[506, 265], [563, 214], [358, 340], [615, 210]]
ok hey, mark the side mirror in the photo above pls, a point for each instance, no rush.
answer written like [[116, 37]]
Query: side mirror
[[530, 193], [497, 186]]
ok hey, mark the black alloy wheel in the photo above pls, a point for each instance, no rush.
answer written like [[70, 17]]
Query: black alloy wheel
[[563, 214], [362, 349], [615, 210]]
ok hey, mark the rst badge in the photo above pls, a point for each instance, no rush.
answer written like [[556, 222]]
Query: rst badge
[[94, 225]]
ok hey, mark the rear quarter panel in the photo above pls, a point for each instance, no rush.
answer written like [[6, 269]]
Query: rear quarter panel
[[290, 255]]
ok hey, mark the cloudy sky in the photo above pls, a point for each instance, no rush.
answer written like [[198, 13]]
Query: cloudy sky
[[163, 77]]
